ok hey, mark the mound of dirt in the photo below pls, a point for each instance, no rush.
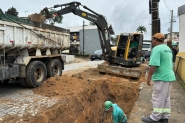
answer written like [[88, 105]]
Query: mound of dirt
[[82, 95]]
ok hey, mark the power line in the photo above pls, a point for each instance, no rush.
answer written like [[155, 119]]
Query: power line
[[143, 8], [166, 5], [89, 1], [162, 14], [165, 24], [104, 9], [110, 7], [121, 7]]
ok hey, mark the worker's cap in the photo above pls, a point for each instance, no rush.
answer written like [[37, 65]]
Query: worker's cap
[[107, 105], [158, 36]]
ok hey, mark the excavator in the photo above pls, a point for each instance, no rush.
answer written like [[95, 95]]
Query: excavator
[[121, 59]]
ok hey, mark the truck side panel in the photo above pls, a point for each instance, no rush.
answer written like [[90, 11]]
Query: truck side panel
[[15, 36], [31, 53]]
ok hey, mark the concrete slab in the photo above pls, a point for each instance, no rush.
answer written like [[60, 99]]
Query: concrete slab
[[68, 58]]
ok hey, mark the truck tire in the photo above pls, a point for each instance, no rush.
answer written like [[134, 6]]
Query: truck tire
[[54, 68], [35, 74], [6, 81]]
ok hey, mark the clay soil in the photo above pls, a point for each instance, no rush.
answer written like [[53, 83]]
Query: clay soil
[[82, 94]]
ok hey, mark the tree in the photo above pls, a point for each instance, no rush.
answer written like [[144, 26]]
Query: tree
[[55, 19], [12, 11], [141, 29]]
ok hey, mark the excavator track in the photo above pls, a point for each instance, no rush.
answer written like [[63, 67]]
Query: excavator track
[[134, 72]]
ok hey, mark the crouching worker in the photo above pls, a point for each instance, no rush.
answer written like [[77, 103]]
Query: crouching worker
[[118, 116]]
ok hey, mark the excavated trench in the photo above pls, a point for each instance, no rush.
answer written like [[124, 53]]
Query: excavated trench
[[81, 96]]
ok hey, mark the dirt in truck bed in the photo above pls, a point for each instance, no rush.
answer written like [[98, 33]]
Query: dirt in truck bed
[[81, 96]]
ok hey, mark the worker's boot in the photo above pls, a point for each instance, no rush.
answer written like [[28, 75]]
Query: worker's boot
[[148, 120], [163, 121]]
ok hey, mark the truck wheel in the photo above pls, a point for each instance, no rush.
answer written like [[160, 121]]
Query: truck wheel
[[6, 81], [54, 68], [35, 74]]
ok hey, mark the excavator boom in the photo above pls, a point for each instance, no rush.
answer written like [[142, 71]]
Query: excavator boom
[[98, 19]]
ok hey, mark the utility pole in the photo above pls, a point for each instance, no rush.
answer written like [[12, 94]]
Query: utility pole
[[171, 26], [155, 20], [83, 38], [155, 16], [25, 13]]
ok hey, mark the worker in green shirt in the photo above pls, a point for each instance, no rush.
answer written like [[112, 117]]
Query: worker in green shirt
[[162, 74], [118, 116]]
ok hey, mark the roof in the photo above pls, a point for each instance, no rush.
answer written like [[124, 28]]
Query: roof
[[172, 32], [181, 10], [78, 28]]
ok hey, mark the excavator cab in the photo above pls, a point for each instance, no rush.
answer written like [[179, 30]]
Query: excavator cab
[[128, 49]]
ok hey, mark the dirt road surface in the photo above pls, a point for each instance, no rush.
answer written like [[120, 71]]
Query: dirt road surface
[[75, 97]]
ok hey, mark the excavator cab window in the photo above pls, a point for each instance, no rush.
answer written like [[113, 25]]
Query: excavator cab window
[[122, 45], [133, 48]]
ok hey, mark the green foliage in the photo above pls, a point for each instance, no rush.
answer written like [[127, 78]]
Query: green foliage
[[56, 19], [91, 23], [12, 11], [141, 29]]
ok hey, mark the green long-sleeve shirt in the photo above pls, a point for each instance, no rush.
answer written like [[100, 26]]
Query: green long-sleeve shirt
[[118, 114], [133, 44]]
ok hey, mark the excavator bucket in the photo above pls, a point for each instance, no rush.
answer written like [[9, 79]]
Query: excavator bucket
[[40, 17], [37, 17], [118, 70]]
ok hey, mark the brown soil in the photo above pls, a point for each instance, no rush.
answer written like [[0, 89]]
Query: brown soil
[[82, 94]]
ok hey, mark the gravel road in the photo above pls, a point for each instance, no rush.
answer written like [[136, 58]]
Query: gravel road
[[15, 100]]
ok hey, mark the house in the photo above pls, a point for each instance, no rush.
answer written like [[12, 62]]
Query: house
[[175, 37], [147, 45], [181, 13]]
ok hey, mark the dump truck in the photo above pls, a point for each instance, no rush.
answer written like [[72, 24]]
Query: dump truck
[[120, 59], [30, 51]]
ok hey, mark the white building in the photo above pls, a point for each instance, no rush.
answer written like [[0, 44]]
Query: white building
[[175, 37], [181, 13], [146, 45]]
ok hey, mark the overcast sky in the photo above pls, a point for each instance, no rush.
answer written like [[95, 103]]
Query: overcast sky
[[124, 15]]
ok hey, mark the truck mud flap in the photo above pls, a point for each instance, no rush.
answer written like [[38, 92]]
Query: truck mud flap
[[123, 71]]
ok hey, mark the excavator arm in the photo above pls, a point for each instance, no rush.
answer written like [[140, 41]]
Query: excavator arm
[[114, 61], [99, 20]]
